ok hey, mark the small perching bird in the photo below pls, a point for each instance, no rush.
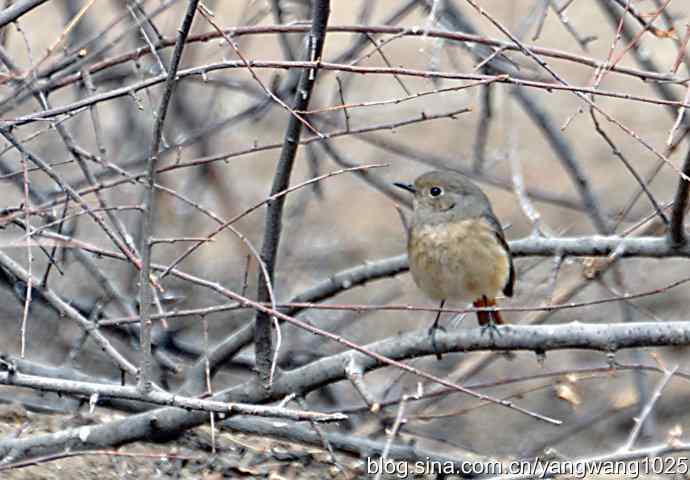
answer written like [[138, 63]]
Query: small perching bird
[[456, 247]]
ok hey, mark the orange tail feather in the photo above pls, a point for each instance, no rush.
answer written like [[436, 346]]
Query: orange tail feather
[[484, 318]]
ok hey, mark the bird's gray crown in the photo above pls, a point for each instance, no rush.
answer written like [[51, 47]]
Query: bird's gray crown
[[447, 196]]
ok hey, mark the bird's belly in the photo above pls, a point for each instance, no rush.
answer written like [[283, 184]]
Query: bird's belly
[[462, 261]]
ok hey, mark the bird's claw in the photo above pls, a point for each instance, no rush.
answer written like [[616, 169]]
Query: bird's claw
[[492, 328], [432, 334]]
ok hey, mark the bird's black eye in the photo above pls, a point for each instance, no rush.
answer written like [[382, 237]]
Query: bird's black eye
[[435, 191]]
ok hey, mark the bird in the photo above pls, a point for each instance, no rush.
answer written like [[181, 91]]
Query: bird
[[456, 247]]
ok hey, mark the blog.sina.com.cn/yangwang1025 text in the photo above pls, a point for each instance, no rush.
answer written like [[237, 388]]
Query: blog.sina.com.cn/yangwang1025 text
[[537, 467]]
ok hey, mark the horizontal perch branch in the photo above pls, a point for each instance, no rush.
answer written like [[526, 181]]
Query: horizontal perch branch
[[542, 338], [95, 390]]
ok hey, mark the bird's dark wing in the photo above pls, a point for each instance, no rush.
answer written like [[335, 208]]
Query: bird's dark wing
[[491, 221]]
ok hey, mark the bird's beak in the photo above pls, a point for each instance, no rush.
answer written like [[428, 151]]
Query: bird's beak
[[406, 186]]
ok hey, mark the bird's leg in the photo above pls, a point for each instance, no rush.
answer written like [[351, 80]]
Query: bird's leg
[[433, 328], [488, 320]]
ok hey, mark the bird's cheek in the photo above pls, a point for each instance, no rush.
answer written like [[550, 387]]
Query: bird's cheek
[[445, 204]]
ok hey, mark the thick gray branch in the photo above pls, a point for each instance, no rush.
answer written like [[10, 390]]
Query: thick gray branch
[[281, 181], [18, 9], [595, 246], [541, 338], [677, 234]]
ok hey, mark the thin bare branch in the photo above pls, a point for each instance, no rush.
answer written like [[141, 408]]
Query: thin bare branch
[[149, 205]]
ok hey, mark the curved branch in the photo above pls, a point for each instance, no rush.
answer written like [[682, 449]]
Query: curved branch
[[541, 338], [285, 65], [456, 36]]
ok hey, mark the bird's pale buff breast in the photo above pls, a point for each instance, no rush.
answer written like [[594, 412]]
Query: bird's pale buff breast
[[459, 261]]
